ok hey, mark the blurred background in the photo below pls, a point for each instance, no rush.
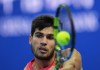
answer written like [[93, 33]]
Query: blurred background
[[15, 22]]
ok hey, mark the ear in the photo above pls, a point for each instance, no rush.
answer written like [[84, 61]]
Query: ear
[[30, 39]]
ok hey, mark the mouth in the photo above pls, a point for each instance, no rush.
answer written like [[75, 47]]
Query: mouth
[[43, 50]]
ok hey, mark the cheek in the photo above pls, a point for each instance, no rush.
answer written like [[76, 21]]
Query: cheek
[[52, 44], [35, 42], [35, 45]]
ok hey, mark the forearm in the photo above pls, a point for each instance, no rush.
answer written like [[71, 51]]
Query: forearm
[[76, 59]]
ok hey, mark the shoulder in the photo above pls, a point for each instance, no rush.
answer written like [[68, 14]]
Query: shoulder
[[29, 65]]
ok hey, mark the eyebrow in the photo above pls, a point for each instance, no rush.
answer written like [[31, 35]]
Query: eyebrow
[[38, 33], [42, 33]]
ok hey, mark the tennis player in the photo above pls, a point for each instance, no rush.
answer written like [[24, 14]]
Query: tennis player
[[43, 47]]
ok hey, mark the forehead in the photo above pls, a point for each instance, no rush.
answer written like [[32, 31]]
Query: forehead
[[47, 30]]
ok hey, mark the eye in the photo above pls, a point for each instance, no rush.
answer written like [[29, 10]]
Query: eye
[[39, 35], [50, 37]]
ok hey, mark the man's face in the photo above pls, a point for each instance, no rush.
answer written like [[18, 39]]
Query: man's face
[[43, 43]]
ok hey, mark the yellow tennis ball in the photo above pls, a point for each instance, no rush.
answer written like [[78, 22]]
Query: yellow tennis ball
[[63, 38]]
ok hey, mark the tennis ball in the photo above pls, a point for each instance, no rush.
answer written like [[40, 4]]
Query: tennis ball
[[63, 38]]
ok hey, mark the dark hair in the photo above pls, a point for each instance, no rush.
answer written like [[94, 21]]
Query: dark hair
[[41, 22]]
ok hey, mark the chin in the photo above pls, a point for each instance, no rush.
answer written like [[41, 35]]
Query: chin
[[44, 57]]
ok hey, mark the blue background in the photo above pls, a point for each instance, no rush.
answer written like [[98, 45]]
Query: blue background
[[15, 51]]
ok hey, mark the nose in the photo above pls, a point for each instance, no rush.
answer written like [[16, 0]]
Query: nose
[[43, 44], [44, 41]]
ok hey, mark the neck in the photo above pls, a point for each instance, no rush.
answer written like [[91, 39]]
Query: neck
[[39, 64]]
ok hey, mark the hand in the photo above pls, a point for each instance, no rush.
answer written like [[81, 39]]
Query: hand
[[74, 63], [68, 65]]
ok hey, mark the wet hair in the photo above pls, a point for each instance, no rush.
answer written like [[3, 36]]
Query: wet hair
[[41, 22]]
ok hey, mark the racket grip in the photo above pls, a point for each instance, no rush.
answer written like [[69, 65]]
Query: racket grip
[[63, 59]]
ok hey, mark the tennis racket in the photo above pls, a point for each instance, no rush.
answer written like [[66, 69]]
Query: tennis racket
[[63, 22]]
